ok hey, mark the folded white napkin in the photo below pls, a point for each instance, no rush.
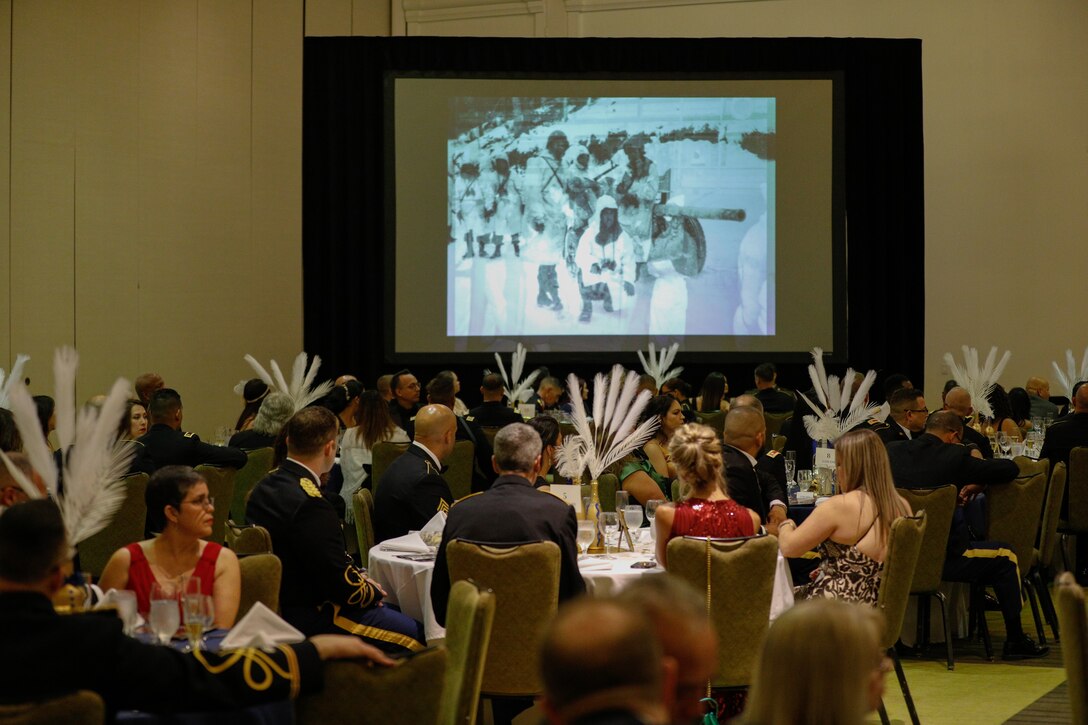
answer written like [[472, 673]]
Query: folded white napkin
[[261, 627], [125, 604], [409, 542], [595, 565]]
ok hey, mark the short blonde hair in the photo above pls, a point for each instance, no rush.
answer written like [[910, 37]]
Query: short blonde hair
[[696, 452], [834, 646]]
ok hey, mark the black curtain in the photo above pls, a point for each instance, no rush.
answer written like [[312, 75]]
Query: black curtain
[[345, 208]]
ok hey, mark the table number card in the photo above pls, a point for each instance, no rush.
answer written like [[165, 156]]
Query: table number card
[[825, 458], [569, 494]]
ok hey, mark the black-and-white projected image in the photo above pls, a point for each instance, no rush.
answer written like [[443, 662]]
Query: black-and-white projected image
[[611, 216]]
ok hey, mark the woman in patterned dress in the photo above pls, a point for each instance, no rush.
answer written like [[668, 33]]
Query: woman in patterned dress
[[705, 509], [851, 529]]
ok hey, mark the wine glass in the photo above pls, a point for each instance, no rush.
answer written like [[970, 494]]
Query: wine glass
[[611, 523], [126, 609], [632, 516], [586, 533], [623, 499], [651, 512], [165, 615], [1004, 443], [193, 607]]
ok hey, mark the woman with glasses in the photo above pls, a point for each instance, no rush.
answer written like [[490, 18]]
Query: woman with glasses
[[179, 513]]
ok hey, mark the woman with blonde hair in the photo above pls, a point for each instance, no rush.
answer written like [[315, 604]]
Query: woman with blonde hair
[[851, 528], [840, 641], [705, 509]]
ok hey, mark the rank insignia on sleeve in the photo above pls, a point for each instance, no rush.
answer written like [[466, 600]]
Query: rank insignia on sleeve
[[773, 453], [188, 435], [443, 506], [309, 487]]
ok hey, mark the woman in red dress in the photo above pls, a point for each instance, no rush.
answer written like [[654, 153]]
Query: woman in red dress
[[704, 508]]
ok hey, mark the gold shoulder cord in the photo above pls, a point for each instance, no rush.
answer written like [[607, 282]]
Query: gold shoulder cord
[[255, 661]]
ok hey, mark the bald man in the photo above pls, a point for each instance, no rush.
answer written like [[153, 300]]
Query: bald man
[[958, 401], [412, 489], [748, 484], [1039, 395]]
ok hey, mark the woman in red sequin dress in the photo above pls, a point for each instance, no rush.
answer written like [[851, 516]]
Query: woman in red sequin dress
[[704, 509]]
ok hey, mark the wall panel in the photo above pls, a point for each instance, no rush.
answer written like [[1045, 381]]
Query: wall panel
[[7, 356], [328, 17]]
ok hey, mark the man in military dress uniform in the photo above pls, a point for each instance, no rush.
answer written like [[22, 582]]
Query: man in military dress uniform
[[767, 392], [404, 404], [493, 412], [760, 490], [412, 490], [321, 591], [165, 444], [441, 391], [907, 418]]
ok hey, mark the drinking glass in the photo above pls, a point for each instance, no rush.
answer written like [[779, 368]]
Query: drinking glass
[[791, 456], [632, 515], [651, 512], [165, 615], [611, 523], [192, 606], [126, 609], [585, 535], [804, 479], [623, 499], [586, 501], [1003, 443], [790, 470]]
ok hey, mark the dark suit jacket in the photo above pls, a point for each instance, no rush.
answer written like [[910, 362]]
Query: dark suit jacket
[[494, 414], [49, 655], [511, 511], [469, 430], [776, 400], [251, 440], [749, 487], [1063, 436], [164, 446], [773, 463], [409, 493], [308, 539], [972, 436]]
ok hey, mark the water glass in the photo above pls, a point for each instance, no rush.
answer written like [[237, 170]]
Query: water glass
[[622, 500], [611, 523], [804, 479], [790, 470], [126, 609], [586, 534], [651, 512], [165, 616]]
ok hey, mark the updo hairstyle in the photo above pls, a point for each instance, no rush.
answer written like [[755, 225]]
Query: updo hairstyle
[[696, 452]]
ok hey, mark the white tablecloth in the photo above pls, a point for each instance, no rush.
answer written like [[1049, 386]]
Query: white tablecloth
[[408, 582]]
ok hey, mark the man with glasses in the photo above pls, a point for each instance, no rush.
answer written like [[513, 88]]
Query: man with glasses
[[938, 458], [907, 418], [405, 403]]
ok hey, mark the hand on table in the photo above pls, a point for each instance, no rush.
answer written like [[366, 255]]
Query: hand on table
[[343, 646]]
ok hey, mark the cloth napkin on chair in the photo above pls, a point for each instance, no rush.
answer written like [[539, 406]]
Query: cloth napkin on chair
[[261, 627]]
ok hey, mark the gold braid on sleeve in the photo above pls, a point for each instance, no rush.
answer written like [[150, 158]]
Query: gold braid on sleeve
[[260, 670], [365, 593]]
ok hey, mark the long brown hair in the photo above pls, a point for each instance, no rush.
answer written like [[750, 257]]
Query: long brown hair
[[864, 461], [373, 422]]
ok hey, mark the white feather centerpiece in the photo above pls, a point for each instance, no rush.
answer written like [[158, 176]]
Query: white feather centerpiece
[[12, 379], [301, 389], [978, 380], [1067, 378], [657, 366], [840, 408], [94, 461], [518, 390]]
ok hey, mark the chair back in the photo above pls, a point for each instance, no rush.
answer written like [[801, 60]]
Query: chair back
[[714, 420], [775, 421], [1052, 512], [362, 506], [1029, 466], [904, 543], [459, 469], [248, 540], [221, 488], [1077, 489], [490, 431], [469, 617], [382, 455], [126, 528], [778, 443], [939, 505], [258, 464], [1073, 622], [354, 692], [675, 490], [742, 613], [261, 575], [1014, 512], [525, 579], [82, 707]]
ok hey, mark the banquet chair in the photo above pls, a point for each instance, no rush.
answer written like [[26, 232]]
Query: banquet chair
[[126, 528], [362, 507], [1075, 508], [1029, 466], [715, 420], [258, 464], [778, 443], [1074, 621], [939, 505], [82, 707], [741, 614], [904, 543], [356, 693], [1043, 558], [261, 575], [490, 431], [459, 469], [1014, 512], [525, 580], [221, 488], [775, 421], [248, 539], [469, 617], [383, 454]]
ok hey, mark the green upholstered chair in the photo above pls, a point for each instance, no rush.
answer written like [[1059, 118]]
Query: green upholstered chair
[[1014, 513], [939, 505], [775, 421], [261, 575], [1074, 621], [714, 420], [490, 431], [78, 708], [778, 443], [357, 693], [127, 527], [742, 613], [221, 488], [897, 576], [459, 469], [362, 506], [1041, 567], [1075, 520], [1029, 466], [525, 580], [383, 454], [248, 540], [469, 617], [258, 464]]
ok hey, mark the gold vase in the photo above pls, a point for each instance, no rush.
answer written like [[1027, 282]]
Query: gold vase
[[594, 515]]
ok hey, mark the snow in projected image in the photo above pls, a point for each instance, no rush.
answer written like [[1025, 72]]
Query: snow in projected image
[[611, 216]]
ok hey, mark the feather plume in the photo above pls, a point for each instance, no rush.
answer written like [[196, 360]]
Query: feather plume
[[518, 389], [1067, 378], [301, 389], [15, 377], [600, 382], [35, 446], [658, 366], [613, 396], [17, 474], [978, 381], [841, 407], [65, 365]]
